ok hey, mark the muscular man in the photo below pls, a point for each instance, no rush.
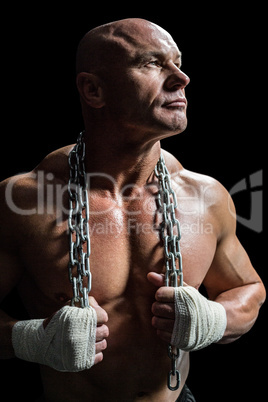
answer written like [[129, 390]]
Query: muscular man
[[132, 94]]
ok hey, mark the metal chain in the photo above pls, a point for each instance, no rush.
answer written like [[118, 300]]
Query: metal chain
[[79, 239], [171, 235]]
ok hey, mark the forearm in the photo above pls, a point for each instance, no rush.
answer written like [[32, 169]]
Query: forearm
[[242, 307], [6, 325]]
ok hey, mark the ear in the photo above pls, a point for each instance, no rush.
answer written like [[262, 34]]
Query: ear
[[90, 89]]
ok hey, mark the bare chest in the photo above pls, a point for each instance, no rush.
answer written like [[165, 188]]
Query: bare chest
[[125, 245]]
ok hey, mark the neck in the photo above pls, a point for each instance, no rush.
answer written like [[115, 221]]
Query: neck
[[115, 165]]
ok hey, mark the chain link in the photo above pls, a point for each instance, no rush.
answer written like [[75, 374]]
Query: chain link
[[170, 235], [79, 239]]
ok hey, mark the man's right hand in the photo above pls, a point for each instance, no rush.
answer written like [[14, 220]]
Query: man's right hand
[[72, 339]]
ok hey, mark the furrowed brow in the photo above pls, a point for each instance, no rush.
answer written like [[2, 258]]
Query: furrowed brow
[[143, 57]]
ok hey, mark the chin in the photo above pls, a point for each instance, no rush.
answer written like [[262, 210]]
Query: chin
[[176, 127], [179, 124], [172, 123]]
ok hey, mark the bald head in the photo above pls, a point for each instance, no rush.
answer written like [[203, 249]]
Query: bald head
[[108, 44], [127, 72]]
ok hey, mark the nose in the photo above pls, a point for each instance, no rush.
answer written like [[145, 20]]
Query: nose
[[177, 79]]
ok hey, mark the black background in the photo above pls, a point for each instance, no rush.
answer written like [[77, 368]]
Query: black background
[[224, 54]]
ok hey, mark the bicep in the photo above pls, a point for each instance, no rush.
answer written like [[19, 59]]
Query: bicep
[[231, 268]]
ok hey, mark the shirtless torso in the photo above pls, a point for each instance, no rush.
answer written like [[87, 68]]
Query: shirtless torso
[[125, 246]]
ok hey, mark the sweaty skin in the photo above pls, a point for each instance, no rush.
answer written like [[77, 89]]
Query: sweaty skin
[[128, 107]]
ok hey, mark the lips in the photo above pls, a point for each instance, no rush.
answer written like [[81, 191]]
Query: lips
[[175, 103]]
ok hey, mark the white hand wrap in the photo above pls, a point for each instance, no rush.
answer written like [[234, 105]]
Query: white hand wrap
[[67, 343], [198, 321]]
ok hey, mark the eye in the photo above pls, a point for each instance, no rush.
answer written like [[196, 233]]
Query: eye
[[155, 63]]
